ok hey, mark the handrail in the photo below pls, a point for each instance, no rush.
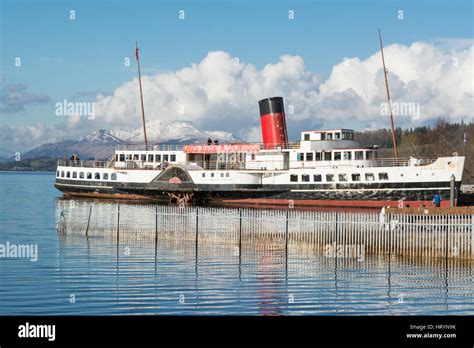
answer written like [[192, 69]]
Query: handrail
[[82, 163], [180, 147], [141, 147], [260, 165]]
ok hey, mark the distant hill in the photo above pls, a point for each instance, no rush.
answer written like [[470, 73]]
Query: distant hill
[[101, 144]]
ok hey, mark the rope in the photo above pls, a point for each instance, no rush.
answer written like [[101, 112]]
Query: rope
[[467, 172]]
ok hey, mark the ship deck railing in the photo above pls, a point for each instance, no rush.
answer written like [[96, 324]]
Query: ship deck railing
[[400, 162], [255, 165], [180, 147], [142, 147], [84, 163]]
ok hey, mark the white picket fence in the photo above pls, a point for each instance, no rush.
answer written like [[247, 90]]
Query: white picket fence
[[336, 232]]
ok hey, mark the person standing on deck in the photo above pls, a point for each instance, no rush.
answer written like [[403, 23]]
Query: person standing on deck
[[437, 200]]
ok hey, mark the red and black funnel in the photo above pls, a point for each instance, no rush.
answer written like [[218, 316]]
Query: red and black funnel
[[272, 119]]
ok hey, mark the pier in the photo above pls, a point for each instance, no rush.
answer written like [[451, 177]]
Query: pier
[[424, 233]]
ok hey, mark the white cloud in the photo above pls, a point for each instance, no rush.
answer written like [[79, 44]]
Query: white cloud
[[25, 137], [217, 93], [214, 94], [453, 43]]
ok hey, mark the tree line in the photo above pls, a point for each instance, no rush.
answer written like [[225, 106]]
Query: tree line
[[442, 139]]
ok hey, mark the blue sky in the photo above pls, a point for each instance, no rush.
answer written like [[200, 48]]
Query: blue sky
[[62, 57]]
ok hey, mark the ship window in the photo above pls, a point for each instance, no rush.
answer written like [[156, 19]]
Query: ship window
[[337, 136], [81, 175], [74, 175], [317, 178], [383, 176], [306, 137], [105, 176], [165, 158], [252, 157], [368, 155], [212, 175], [355, 177], [135, 157], [309, 156], [342, 177], [294, 178], [344, 135], [116, 157], [323, 136], [113, 176], [68, 174], [143, 158], [150, 158], [329, 177], [57, 173], [369, 177], [300, 156], [329, 136], [359, 155], [122, 158], [305, 178], [62, 174], [327, 156], [318, 156], [227, 175], [157, 158], [89, 175], [97, 176], [347, 155], [222, 175], [337, 156], [173, 158]]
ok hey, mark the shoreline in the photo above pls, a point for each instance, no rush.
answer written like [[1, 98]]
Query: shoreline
[[26, 171]]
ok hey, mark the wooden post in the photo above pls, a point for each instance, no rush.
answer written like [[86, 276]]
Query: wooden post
[[118, 222], [88, 221], [336, 233], [240, 230], [447, 235], [472, 238], [197, 228], [286, 235], [384, 226], [156, 230], [452, 189]]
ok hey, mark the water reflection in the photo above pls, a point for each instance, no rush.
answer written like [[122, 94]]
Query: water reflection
[[172, 276]]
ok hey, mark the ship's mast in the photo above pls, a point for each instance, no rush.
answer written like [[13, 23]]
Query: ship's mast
[[388, 98], [141, 94]]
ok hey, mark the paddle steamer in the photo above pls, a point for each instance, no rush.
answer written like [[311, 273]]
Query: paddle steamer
[[325, 167]]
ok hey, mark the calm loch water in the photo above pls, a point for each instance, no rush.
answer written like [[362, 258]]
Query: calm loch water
[[96, 275]]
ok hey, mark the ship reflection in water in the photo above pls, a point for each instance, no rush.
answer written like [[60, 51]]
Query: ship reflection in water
[[174, 274]]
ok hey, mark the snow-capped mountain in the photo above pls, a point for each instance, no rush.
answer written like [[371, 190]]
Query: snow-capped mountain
[[177, 132], [103, 137], [101, 144]]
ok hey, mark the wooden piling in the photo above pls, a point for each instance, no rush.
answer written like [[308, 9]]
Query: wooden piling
[[88, 221], [118, 223]]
